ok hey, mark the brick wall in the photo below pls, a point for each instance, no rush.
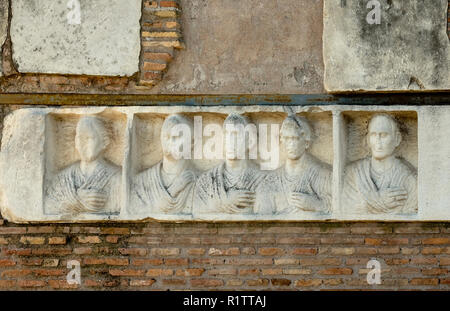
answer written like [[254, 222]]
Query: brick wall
[[161, 256]]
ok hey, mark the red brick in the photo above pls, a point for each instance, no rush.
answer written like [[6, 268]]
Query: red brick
[[144, 262], [7, 263], [32, 240], [49, 272], [233, 251], [115, 230], [336, 271], [222, 271], [174, 282], [51, 251], [206, 283], [196, 251], [142, 282], [304, 251], [444, 261], [112, 238], [190, 272], [154, 66], [308, 283], [126, 272], [15, 273], [281, 282], [164, 251], [159, 272], [176, 261], [424, 281], [159, 56], [31, 262], [258, 282], [245, 272], [47, 229], [61, 284], [30, 283], [434, 271], [93, 239], [13, 230], [82, 250], [7, 284], [271, 271], [168, 4], [436, 241], [271, 251], [133, 251], [57, 240]]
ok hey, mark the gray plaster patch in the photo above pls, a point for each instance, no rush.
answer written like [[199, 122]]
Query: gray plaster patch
[[99, 37]]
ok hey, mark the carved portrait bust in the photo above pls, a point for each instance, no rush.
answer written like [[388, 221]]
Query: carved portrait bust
[[230, 187], [381, 183], [303, 183], [167, 187], [91, 185]]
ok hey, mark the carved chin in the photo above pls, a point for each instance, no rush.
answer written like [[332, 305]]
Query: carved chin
[[89, 157]]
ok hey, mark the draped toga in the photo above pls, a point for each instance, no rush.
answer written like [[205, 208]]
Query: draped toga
[[212, 187], [62, 193], [315, 180], [175, 198], [361, 182]]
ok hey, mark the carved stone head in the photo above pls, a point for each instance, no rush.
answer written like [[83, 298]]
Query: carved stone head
[[296, 136], [239, 136], [383, 136], [91, 138], [177, 130]]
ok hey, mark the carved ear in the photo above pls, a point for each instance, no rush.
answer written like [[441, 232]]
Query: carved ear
[[398, 138]]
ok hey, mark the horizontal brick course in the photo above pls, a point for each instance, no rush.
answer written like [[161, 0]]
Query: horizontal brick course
[[269, 256]]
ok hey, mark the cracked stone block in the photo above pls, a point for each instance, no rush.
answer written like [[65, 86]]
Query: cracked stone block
[[386, 45], [99, 37]]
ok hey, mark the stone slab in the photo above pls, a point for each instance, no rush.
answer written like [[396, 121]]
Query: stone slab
[[48, 37], [408, 50], [4, 8], [46, 171]]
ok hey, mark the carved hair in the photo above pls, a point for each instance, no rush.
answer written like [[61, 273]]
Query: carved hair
[[234, 118], [300, 123], [394, 124], [96, 125], [175, 119]]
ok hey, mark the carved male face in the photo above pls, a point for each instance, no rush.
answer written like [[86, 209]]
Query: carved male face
[[89, 139], [383, 137], [176, 134], [235, 137], [294, 140]]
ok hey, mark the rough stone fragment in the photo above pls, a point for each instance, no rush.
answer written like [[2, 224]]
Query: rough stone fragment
[[4, 7], [408, 50], [99, 37]]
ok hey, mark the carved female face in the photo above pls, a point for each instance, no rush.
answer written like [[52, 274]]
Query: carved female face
[[294, 142], [88, 141], [382, 137]]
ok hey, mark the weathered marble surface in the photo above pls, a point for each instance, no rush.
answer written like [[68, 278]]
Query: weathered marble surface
[[48, 37], [408, 50], [122, 163], [4, 8]]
